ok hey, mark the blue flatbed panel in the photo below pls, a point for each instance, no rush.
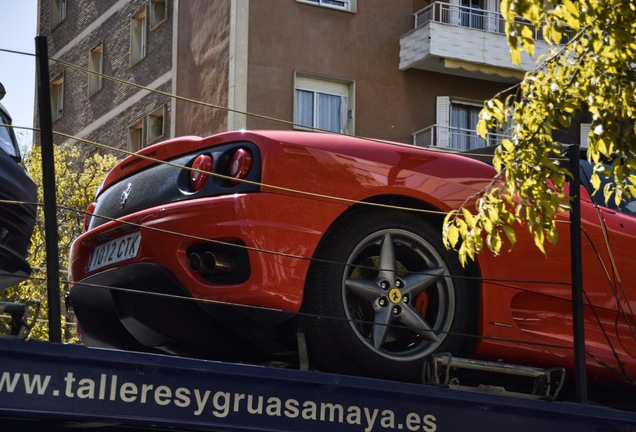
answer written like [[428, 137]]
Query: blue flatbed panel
[[71, 383]]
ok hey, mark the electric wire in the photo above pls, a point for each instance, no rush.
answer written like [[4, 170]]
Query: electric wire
[[299, 313], [240, 112], [496, 281]]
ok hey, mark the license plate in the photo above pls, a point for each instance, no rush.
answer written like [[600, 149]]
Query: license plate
[[114, 251]]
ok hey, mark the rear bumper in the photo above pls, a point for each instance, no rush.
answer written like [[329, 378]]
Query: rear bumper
[[17, 219], [150, 311]]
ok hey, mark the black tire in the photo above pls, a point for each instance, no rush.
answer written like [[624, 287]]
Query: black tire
[[380, 299]]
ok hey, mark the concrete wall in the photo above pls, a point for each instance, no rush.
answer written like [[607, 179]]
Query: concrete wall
[[286, 36], [202, 65]]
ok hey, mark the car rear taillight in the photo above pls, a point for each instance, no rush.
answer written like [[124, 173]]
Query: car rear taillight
[[240, 164], [88, 214], [201, 168]]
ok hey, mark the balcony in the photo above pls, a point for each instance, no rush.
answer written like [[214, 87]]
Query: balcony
[[454, 138], [464, 41]]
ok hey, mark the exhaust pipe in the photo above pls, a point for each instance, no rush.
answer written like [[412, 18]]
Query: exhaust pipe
[[211, 263]]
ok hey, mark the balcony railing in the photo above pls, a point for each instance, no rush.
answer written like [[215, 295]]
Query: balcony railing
[[474, 18], [454, 138]]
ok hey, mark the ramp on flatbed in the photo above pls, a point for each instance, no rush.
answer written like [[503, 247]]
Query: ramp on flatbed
[[45, 386]]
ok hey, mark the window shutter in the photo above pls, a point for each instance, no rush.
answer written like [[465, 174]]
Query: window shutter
[[585, 133], [455, 18], [442, 121], [344, 114], [492, 6]]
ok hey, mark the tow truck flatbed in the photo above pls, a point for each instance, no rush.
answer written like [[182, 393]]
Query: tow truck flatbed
[[53, 387]]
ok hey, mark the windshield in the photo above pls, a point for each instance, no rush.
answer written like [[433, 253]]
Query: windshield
[[597, 196], [8, 141]]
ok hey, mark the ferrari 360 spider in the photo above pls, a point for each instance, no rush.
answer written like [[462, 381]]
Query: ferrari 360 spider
[[227, 246]]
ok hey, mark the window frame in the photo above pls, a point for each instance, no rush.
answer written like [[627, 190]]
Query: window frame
[[134, 144], [57, 96], [326, 86], [95, 82], [151, 136], [447, 133], [350, 5], [154, 23], [57, 13], [138, 36]]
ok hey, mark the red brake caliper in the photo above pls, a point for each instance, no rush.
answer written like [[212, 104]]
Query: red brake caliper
[[421, 303]]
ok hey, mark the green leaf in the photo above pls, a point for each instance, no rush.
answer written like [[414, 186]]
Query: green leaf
[[538, 241], [452, 235], [510, 234], [494, 242], [594, 70], [468, 217], [515, 56], [527, 40]]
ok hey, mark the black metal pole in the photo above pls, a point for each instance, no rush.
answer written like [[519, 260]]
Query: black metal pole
[[49, 186], [577, 275]]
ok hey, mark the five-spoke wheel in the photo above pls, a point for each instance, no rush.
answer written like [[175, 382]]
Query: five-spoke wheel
[[385, 294]]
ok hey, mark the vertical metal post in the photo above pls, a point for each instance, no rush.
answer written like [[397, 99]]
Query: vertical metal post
[[577, 275], [49, 186]]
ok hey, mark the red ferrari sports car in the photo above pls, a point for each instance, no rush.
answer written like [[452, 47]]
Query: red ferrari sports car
[[226, 246]]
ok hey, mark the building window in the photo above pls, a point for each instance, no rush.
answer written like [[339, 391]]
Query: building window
[[156, 124], [58, 12], [158, 12], [348, 5], [477, 14], [472, 13], [323, 105], [457, 123], [135, 136], [463, 125], [57, 97], [138, 37], [95, 64]]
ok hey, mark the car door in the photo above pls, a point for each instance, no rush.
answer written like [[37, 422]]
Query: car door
[[616, 225], [621, 233]]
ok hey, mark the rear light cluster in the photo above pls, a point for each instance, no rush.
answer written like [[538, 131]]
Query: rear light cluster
[[238, 168], [240, 164], [201, 167]]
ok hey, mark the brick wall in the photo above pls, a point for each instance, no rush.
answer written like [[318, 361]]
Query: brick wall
[[106, 115]]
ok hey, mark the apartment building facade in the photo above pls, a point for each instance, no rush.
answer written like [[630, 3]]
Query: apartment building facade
[[400, 70]]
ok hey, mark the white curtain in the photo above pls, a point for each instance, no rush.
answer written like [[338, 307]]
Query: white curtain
[[321, 111], [475, 140], [463, 123], [328, 112], [459, 120], [344, 114], [304, 114]]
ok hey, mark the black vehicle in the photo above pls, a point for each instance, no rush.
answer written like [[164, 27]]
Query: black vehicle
[[18, 195]]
